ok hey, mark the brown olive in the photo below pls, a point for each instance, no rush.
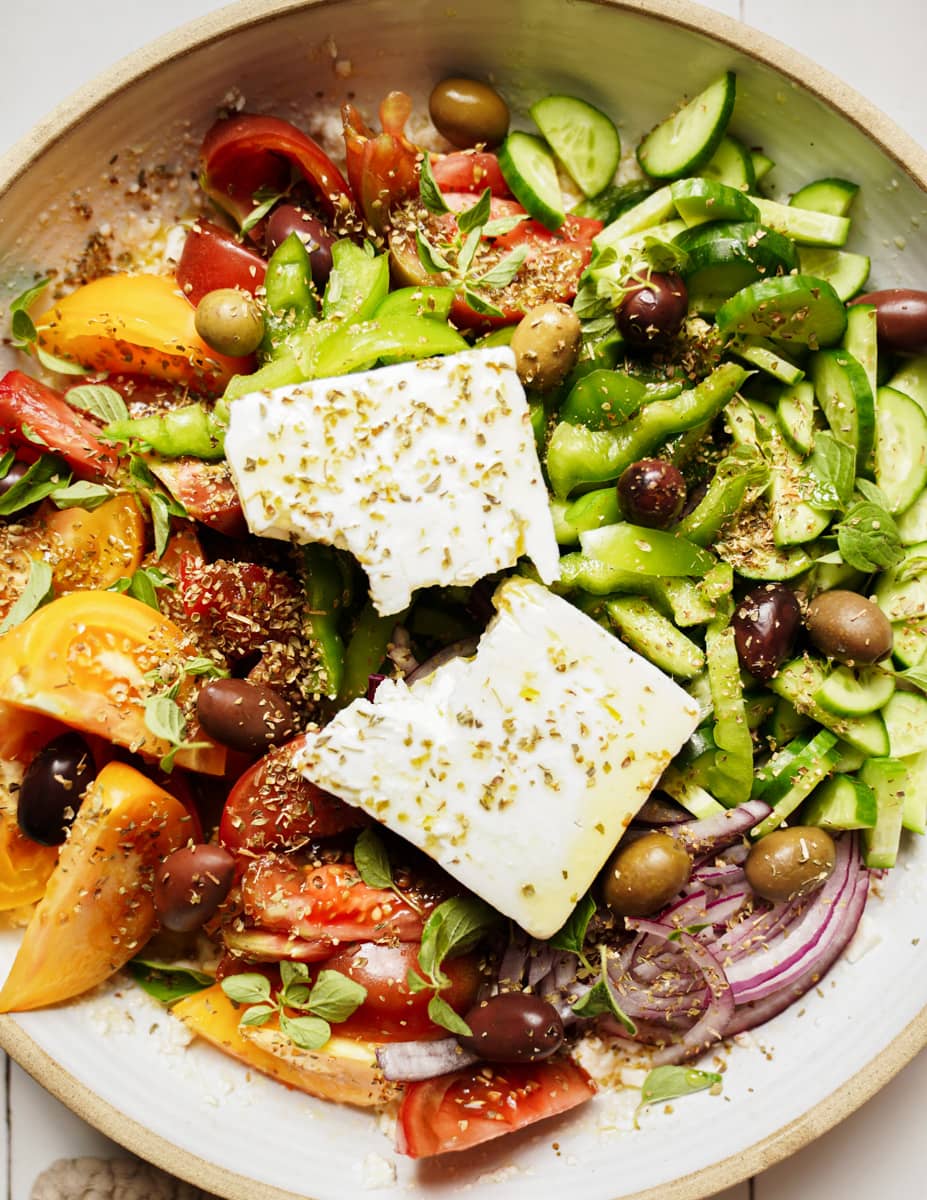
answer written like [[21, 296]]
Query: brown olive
[[230, 321], [469, 113], [190, 885], [901, 318], [848, 627], [546, 345], [652, 492], [766, 624], [245, 716], [643, 875], [52, 789], [514, 1027], [289, 218], [790, 863], [652, 313]]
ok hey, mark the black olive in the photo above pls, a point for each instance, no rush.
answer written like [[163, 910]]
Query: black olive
[[245, 716], [514, 1027], [766, 624], [53, 787], [290, 218], [652, 313], [652, 493], [191, 884]]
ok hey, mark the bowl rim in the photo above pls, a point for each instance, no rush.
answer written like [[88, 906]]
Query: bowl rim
[[909, 157]]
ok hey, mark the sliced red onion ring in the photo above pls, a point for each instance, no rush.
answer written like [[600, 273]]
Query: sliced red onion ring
[[465, 648], [711, 834], [408, 1062]]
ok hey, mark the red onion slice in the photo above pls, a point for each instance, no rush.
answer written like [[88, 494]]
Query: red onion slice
[[465, 648], [711, 834], [410, 1062]]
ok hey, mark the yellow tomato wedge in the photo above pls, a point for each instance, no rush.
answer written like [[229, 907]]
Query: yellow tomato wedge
[[84, 658], [93, 548], [97, 911], [343, 1069], [137, 323]]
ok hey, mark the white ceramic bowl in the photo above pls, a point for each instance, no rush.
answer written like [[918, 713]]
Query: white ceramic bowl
[[115, 1058]]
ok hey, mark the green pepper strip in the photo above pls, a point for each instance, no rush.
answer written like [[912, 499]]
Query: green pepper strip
[[742, 469], [434, 302], [358, 283], [355, 348], [365, 652], [730, 776], [603, 400], [192, 430], [290, 300], [577, 455], [323, 586]]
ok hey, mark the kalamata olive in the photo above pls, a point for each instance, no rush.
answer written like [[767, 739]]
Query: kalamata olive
[[468, 113], [848, 627], [643, 875], [190, 885], [652, 492], [514, 1027], [766, 624], [901, 318], [652, 313], [52, 788], [245, 716], [230, 321], [790, 863], [289, 218], [546, 345]]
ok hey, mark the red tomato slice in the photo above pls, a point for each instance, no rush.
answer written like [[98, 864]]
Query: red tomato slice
[[26, 404], [382, 167], [246, 153], [206, 491], [213, 258], [240, 604], [330, 901], [469, 171], [273, 807], [457, 1111], [391, 1012]]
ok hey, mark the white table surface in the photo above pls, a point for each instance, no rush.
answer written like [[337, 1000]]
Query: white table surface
[[53, 46]]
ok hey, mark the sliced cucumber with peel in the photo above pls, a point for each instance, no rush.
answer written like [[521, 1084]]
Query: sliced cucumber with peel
[[900, 448], [529, 169], [888, 778], [732, 163], [583, 138], [901, 591], [805, 227], [841, 803], [761, 353], [914, 814], [687, 139], [850, 693], [799, 682], [700, 200], [653, 210], [909, 643], [762, 165], [797, 308], [832, 196], [905, 717], [861, 340], [912, 524], [723, 258], [798, 779], [842, 390], [648, 632], [911, 378], [846, 273], [795, 414]]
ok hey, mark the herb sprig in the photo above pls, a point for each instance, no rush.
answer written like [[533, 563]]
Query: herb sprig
[[331, 999], [453, 928], [25, 334], [670, 1083], [372, 863]]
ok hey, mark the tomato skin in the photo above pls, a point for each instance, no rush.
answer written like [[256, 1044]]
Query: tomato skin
[[330, 901], [392, 1012], [245, 153], [478, 1103], [463, 171], [213, 258], [382, 167], [206, 491], [273, 807], [25, 401]]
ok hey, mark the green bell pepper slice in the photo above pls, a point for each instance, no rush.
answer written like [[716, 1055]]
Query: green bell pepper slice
[[434, 302], [193, 430], [603, 400], [323, 587], [290, 301], [744, 468], [357, 285], [357, 347], [365, 652], [641, 551]]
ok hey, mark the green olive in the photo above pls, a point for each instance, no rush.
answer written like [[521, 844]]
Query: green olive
[[790, 863], [546, 344], [644, 875], [230, 322], [848, 627], [469, 113]]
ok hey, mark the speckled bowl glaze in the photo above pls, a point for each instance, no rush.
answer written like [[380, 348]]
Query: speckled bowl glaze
[[116, 1058]]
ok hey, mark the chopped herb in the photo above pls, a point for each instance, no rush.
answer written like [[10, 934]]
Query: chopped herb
[[669, 1083], [264, 200], [100, 401], [572, 934], [166, 721], [429, 191], [46, 475], [602, 998], [82, 494]]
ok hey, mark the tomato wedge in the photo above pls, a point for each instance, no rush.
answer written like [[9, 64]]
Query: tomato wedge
[[273, 807], [382, 167], [476, 1104], [206, 491], [246, 154], [469, 171], [212, 258], [26, 404], [328, 902], [97, 911]]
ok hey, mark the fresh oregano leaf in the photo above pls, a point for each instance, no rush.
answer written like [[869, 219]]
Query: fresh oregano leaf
[[258, 1014], [264, 200], [468, 251], [504, 271], [99, 400], [442, 1014], [830, 470], [480, 305], [500, 226], [63, 366], [43, 477], [371, 860], [429, 192], [81, 494], [165, 982], [247, 988], [477, 216], [430, 256], [868, 537], [335, 997], [670, 1083], [572, 934], [309, 1033], [38, 591], [202, 666]]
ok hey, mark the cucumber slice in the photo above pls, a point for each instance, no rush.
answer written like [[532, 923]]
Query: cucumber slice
[[905, 718], [799, 682], [833, 196], [912, 524], [909, 643], [528, 168], [900, 448], [901, 591], [851, 759], [772, 565], [843, 392], [794, 520], [914, 815], [648, 632], [911, 379], [582, 137], [846, 273], [690, 795], [701, 200], [796, 417], [610, 204], [657, 208], [888, 778], [724, 258], [762, 165], [841, 803], [686, 140], [785, 723], [772, 779], [797, 308], [861, 340], [850, 693], [803, 226], [731, 163], [796, 781], [763, 354]]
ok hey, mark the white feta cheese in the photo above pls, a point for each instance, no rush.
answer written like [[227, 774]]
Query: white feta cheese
[[427, 472], [518, 769]]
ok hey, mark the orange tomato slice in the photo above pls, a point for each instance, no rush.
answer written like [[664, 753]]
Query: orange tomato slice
[[97, 911], [93, 548], [136, 323], [84, 658]]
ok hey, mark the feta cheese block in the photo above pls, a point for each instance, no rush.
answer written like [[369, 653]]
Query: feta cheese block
[[517, 769], [426, 471]]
